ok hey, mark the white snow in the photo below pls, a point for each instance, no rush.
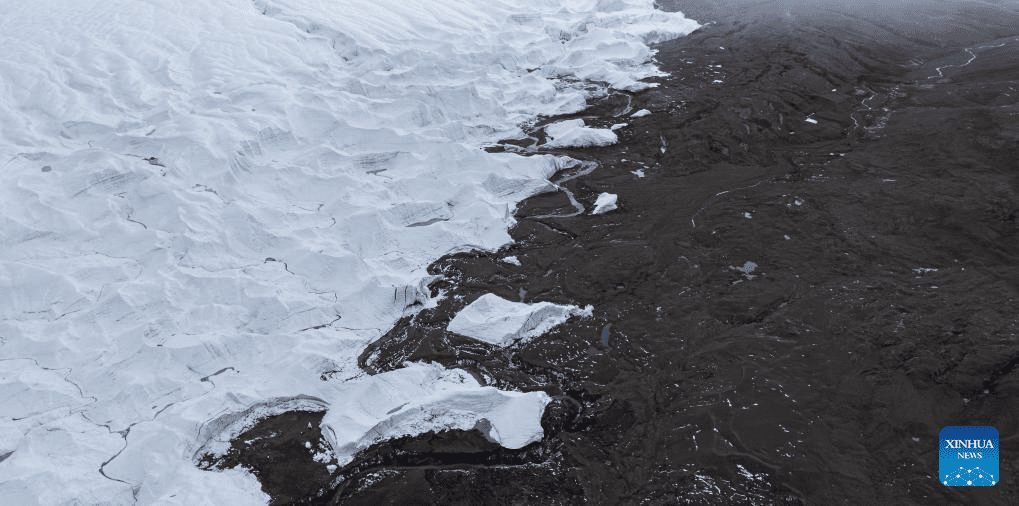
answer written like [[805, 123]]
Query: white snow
[[423, 397], [747, 215], [617, 126], [208, 205], [605, 203], [638, 172], [511, 260], [640, 114], [498, 321], [573, 133], [811, 120]]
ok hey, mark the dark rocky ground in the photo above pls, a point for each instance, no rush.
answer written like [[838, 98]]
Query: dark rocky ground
[[883, 306]]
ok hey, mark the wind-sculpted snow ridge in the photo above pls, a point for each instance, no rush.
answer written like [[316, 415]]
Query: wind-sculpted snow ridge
[[208, 205]]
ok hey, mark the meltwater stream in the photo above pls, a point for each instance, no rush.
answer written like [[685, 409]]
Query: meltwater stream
[[209, 204]]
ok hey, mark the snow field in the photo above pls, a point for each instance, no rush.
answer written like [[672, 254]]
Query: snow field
[[207, 205]]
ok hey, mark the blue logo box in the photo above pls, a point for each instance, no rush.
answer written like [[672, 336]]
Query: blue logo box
[[968, 456]]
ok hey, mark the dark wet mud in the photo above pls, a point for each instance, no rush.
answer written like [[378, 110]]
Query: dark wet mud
[[879, 304]]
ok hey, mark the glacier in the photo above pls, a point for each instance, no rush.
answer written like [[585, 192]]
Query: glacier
[[208, 204]]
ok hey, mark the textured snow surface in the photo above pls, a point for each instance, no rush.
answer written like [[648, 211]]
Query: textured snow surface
[[208, 205], [498, 321], [606, 202], [573, 133]]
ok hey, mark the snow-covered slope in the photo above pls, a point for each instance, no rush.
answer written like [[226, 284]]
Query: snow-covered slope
[[208, 204]]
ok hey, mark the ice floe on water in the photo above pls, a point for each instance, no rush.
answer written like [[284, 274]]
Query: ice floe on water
[[605, 203], [641, 113], [574, 134], [511, 260], [207, 205], [498, 321]]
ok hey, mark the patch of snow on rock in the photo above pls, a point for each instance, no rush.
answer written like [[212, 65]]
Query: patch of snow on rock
[[511, 260], [605, 203], [500, 322], [422, 397], [573, 133]]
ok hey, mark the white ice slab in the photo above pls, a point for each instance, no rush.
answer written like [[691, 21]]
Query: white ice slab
[[511, 260], [573, 133], [498, 321], [423, 397], [606, 202], [640, 114]]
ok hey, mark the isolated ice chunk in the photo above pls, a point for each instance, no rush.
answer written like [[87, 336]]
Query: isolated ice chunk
[[605, 203], [498, 321], [422, 397], [640, 114], [511, 260], [573, 133]]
